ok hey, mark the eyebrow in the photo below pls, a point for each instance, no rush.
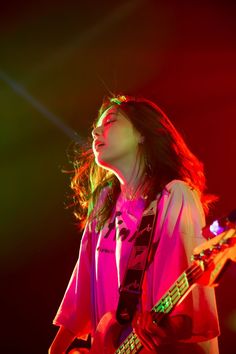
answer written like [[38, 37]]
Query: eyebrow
[[109, 114], [106, 116]]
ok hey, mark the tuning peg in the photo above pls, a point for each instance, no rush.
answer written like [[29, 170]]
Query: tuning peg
[[208, 251], [202, 255], [195, 257], [198, 256], [225, 241], [218, 246]]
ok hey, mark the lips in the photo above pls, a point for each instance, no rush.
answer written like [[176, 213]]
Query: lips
[[98, 144]]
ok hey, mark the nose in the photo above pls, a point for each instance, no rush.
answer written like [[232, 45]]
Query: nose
[[97, 131]]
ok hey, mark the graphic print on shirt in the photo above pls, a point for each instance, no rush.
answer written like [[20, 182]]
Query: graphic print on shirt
[[122, 233], [117, 230]]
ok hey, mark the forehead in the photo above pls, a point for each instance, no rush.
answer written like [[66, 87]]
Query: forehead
[[107, 113]]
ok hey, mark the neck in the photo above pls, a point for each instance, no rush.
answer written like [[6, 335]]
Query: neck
[[132, 180], [133, 188], [130, 172]]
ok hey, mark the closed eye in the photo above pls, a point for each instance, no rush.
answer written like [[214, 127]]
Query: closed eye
[[109, 121]]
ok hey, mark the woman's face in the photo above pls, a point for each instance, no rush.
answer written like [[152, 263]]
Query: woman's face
[[115, 140]]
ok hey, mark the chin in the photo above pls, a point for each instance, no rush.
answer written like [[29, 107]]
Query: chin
[[101, 162], [104, 164]]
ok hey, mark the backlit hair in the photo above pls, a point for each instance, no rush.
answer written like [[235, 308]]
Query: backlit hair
[[167, 157]]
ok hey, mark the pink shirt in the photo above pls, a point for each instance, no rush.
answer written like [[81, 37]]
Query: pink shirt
[[93, 287]]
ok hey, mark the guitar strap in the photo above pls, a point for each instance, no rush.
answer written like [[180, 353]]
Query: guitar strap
[[131, 287]]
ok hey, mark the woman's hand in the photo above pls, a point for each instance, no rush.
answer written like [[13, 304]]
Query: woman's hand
[[150, 334], [153, 335]]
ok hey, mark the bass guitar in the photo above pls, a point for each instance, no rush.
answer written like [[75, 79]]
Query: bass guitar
[[208, 261]]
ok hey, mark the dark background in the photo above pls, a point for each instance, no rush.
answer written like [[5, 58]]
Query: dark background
[[57, 61]]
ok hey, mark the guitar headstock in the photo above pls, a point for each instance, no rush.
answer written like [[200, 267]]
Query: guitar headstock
[[212, 256]]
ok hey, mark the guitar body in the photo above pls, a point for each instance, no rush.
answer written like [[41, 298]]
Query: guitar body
[[79, 351], [107, 335]]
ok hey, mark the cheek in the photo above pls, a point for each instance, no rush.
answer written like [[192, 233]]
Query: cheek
[[122, 145], [124, 135]]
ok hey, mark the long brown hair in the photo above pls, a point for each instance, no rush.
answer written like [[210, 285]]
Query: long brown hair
[[166, 155]]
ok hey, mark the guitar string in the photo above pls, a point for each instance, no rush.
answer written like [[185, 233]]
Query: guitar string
[[182, 284], [132, 340]]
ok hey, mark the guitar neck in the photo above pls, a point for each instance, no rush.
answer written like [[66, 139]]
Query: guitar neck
[[166, 304]]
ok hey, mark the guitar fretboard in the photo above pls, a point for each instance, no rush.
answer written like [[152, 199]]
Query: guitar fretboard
[[132, 344]]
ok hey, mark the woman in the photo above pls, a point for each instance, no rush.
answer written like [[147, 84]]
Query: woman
[[137, 156]]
